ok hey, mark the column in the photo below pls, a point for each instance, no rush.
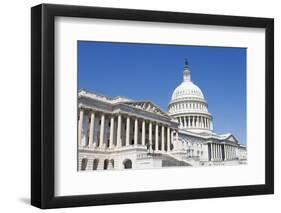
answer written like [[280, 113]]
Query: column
[[163, 139], [128, 131], [91, 132], [184, 121], [150, 133], [143, 133], [111, 131], [181, 122], [172, 138], [216, 152], [187, 122], [102, 130], [204, 122], [156, 137], [168, 139], [227, 152], [119, 123], [224, 151], [136, 132], [212, 154], [193, 121], [220, 152], [80, 126]]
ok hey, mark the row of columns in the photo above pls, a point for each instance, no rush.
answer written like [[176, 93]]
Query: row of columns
[[195, 122], [222, 152], [230, 152], [165, 134], [183, 106], [216, 152]]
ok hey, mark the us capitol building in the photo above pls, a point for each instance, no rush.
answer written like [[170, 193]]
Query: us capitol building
[[120, 133]]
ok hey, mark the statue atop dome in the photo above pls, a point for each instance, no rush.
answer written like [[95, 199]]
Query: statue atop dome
[[186, 63], [186, 73]]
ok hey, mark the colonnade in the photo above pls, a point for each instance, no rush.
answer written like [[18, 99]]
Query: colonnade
[[219, 152], [230, 152], [190, 106], [159, 137], [195, 122]]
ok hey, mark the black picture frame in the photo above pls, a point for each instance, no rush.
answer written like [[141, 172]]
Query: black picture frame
[[43, 102]]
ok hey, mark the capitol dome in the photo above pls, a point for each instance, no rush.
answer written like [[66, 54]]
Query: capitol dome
[[187, 89], [189, 106]]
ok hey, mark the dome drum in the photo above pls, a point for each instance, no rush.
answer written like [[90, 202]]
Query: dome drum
[[195, 123], [188, 106]]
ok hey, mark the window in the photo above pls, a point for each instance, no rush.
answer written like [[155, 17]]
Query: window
[[95, 164], [105, 164], [127, 164], [84, 164]]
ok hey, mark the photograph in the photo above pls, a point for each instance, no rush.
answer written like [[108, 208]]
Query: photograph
[[133, 105], [152, 106]]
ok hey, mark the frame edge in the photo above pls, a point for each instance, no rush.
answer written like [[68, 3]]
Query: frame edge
[[36, 85]]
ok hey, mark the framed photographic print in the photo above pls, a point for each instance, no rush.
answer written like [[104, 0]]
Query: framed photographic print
[[139, 106]]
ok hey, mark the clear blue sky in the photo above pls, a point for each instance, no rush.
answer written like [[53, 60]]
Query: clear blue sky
[[152, 72]]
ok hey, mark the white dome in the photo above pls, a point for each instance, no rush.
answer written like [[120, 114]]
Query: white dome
[[189, 106], [187, 90]]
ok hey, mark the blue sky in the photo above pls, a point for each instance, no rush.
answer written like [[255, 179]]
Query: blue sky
[[152, 72]]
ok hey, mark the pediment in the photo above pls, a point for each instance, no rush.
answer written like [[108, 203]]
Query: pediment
[[147, 106], [232, 139]]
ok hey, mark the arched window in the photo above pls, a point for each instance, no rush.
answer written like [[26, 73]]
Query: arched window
[[127, 164], [84, 163], [105, 164], [95, 164]]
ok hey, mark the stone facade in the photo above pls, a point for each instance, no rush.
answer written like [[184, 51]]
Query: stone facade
[[120, 133]]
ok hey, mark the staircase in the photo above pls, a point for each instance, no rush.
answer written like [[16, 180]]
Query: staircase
[[170, 160], [183, 162]]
